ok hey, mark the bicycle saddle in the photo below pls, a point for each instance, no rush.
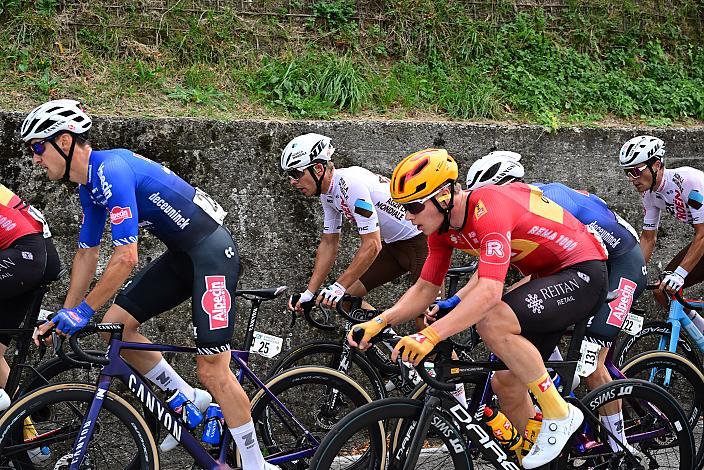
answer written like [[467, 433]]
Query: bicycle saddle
[[266, 294], [462, 270]]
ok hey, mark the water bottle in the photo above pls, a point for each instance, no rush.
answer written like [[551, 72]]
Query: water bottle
[[29, 432], [531, 434], [506, 434], [212, 431], [185, 408]]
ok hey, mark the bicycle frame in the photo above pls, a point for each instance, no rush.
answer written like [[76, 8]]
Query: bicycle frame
[[679, 321], [139, 387]]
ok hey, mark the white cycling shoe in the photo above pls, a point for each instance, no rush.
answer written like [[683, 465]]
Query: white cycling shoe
[[271, 466], [553, 436], [202, 401]]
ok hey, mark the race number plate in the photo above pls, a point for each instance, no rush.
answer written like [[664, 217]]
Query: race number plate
[[589, 356], [633, 324], [266, 345], [209, 206]]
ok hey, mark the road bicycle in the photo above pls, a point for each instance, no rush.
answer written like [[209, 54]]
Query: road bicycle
[[438, 432], [91, 427]]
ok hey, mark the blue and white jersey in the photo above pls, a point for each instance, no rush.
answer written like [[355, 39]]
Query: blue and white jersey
[[617, 234], [137, 192]]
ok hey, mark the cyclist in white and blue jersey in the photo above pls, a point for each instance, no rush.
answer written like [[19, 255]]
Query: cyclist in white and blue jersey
[[625, 264], [201, 260]]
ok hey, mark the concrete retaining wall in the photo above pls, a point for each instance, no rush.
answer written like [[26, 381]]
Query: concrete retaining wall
[[277, 229]]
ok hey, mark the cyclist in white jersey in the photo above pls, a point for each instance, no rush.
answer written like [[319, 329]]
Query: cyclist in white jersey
[[679, 191], [390, 245]]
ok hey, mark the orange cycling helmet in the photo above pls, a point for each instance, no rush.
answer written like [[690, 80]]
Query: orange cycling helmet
[[421, 174]]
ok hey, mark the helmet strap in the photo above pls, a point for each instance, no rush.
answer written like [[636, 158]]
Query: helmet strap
[[318, 181], [655, 176], [68, 157], [445, 211]]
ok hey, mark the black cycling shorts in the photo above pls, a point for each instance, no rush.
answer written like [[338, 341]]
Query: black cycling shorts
[[547, 306], [27, 263], [207, 273], [627, 275]]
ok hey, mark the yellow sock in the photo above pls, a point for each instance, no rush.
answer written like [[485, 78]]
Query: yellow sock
[[551, 403]]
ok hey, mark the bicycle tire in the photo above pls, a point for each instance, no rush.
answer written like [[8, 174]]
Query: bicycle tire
[[634, 393], [330, 453], [690, 400], [315, 352], [627, 346], [296, 389], [134, 448]]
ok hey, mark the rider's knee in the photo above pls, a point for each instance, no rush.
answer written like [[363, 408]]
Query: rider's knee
[[505, 381], [212, 369]]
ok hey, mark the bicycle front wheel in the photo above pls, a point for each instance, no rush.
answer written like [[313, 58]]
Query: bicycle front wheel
[[681, 379], [654, 425], [39, 430], [626, 347], [361, 437], [316, 398]]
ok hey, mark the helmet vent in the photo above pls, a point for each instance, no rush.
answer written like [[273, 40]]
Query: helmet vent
[[488, 174]]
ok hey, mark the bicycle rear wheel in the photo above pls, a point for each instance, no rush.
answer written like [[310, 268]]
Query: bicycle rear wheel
[[317, 397], [654, 425], [48, 420], [360, 438]]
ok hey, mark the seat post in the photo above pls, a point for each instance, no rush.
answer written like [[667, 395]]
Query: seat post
[[253, 313]]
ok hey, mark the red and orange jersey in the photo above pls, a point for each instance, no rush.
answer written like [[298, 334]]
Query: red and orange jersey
[[15, 220], [513, 224]]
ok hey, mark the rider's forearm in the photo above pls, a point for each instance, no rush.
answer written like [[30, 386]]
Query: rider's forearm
[[117, 271], [82, 271], [324, 259], [647, 244], [365, 256], [413, 303], [694, 253]]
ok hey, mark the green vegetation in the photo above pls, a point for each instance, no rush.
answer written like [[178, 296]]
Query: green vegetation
[[587, 62]]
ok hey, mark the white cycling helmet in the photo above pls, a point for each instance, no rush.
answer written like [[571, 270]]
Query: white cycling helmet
[[641, 149], [305, 150], [55, 116], [494, 168]]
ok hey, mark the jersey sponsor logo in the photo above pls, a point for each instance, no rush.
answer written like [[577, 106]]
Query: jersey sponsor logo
[[7, 223], [695, 199], [105, 187], [534, 303], [216, 302], [120, 214], [363, 208], [679, 209], [621, 305], [544, 232], [495, 249], [170, 211], [394, 209], [479, 210], [607, 237]]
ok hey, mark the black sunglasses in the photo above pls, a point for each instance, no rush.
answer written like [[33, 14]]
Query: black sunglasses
[[295, 174], [39, 148], [414, 207]]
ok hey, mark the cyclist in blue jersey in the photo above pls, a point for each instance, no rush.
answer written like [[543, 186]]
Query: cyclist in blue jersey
[[626, 265], [201, 260]]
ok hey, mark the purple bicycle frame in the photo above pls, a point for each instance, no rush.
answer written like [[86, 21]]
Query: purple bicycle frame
[[142, 390]]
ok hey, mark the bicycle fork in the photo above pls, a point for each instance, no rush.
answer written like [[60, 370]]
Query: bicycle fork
[[85, 434]]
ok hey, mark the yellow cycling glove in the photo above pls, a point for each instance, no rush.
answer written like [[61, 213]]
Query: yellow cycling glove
[[417, 346], [371, 328]]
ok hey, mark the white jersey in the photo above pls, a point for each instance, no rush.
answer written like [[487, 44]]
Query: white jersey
[[681, 193], [365, 199]]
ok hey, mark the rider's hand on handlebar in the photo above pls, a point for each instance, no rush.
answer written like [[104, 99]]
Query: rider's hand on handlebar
[[445, 304], [331, 295], [673, 281], [415, 347], [41, 332], [371, 328], [303, 297]]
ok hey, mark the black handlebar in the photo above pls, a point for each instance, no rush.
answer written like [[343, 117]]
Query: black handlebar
[[678, 297], [393, 339]]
